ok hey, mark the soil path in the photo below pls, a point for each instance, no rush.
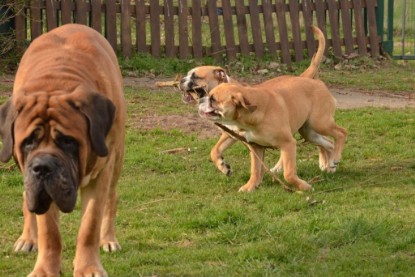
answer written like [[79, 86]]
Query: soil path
[[351, 99], [346, 98]]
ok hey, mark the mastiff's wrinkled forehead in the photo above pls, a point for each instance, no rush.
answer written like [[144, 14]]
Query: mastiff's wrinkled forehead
[[48, 118]]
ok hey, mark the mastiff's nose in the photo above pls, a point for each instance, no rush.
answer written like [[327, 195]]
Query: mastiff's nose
[[43, 167]]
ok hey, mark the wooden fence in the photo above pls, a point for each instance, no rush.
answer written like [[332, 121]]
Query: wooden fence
[[192, 28]]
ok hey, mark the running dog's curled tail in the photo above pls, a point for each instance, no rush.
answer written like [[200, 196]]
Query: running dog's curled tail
[[312, 70]]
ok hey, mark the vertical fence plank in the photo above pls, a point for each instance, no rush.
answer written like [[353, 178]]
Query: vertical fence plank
[[126, 28], [373, 34], [321, 19], [140, 26], [155, 28], [347, 26], [229, 33], [96, 15], [350, 12], [197, 29], [111, 23], [169, 28], [321, 14], [36, 19], [51, 14], [295, 26], [269, 27], [282, 28], [183, 30], [256, 29], [81, 10], [360, 32], [67, 11], [334, 25], [214, 29], [308, 21], [242, 30]]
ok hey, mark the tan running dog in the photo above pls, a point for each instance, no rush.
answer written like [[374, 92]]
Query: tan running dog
[[200, 80], [269, 118], [64, 127]]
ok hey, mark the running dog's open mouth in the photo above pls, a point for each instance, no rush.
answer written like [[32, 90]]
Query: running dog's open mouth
[[210, 114], [193, 95], [189, 98]]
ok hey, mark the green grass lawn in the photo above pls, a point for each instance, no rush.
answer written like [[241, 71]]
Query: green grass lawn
[[179, 216]]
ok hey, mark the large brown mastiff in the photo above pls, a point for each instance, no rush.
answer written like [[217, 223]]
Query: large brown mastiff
[[64, 127]]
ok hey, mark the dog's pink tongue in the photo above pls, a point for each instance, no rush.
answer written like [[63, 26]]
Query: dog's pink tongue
[[188, 98]]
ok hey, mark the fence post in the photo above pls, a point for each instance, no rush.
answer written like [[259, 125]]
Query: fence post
[[387, 44], [380, 14]]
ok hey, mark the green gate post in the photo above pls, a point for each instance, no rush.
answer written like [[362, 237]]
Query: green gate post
[[387, 44]]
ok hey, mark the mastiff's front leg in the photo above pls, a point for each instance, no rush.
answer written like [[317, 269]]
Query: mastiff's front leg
[[48, 263], [93, 200], [27, 241]]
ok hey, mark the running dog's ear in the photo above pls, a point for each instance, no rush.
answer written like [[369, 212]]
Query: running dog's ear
[[220, 75], [241, 101], [7, 118]]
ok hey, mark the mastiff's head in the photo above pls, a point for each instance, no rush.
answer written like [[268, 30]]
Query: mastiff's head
[[55, 138]]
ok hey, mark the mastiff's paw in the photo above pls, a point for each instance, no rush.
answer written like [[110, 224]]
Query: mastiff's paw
[[110, 246], [45, 271], [90, 271], [41, 273], [25, 245]]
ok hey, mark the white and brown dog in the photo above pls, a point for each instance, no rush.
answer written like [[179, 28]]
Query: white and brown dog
[[201, 80], [270, 117]]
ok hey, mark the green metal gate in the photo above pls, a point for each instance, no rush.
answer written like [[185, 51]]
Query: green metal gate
[[396, 25]]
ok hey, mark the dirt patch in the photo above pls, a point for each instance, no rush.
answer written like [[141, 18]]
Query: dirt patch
[[351, 99], [188, 124]]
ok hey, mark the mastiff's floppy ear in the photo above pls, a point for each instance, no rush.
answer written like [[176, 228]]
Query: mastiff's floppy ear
[[7, 118], [100, 112]]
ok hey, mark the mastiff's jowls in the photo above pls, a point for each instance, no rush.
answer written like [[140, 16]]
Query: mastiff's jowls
[[64, 127]]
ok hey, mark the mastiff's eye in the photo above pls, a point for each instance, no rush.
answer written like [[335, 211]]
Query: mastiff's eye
[[30, 143], [67, 143]]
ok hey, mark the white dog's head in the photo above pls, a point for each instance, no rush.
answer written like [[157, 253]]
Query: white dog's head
[[200, 81]]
